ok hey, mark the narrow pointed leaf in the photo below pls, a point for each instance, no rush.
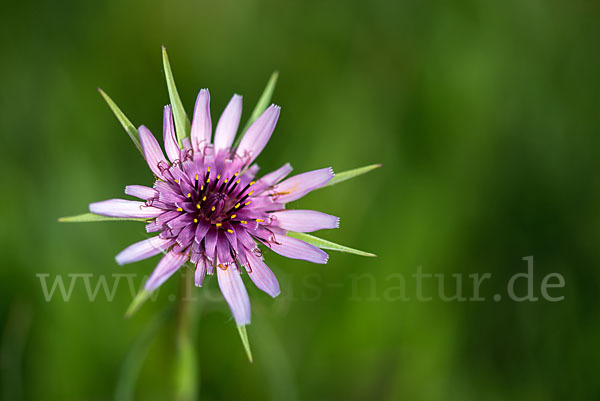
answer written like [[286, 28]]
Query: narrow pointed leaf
[[182, 122], [346, 175], [125, 123], [324, 244], [91, 217], [263, 102], [137, 302], [244, 338]]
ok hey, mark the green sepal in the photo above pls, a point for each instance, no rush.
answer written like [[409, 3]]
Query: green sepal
[[182, 122], [91, 217], [125, 123], [137, 302], [346, 175], [324, 244], [245, 342]]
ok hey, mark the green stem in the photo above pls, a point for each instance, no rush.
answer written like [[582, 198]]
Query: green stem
[[186, 371]]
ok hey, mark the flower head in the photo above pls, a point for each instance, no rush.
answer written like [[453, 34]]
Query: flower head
[[208, 207]]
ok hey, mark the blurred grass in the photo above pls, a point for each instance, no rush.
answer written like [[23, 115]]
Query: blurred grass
[[484, 115]]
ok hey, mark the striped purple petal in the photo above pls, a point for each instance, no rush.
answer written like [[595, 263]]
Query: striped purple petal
[[143, 250], [259, 133], [303, 221], [165, 269], [152, 152], [169, 138], [125, 208], [299, 185], [296, 249], [234, 292], [140, 191], [201, 124], [200, 272], [261, 275], [228, 124]]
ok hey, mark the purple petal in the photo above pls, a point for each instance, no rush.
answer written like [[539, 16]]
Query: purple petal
[[201, 124], [201, 230], [125, 208], [210, 243], [273, 178], [259, 133], [165, 269], [143, 250], [152, 152], [200, 272], [296, 249], [232, 287], [140, 191], [228, 124], [299, 185], [169, 138], [304, 221], [262, 276]]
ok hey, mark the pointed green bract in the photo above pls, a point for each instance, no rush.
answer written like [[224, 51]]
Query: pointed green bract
[[137, 302], [261, 105], [125, 123], [244, 338], [91, 217], [182, 122], [346, 175], [324, 244]]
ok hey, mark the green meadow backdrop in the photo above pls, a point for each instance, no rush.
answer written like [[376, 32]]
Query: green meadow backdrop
[[484, 115]]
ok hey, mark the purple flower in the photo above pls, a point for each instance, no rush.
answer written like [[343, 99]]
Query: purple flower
[[208, 207]]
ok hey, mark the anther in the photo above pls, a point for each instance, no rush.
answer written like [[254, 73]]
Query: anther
[[179, 209], [230, 231], [218, 224]]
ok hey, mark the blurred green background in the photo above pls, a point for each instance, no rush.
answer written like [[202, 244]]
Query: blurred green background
[[484, 114]]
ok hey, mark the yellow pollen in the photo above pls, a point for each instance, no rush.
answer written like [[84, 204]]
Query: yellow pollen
[[247, 203], [252, 183], [238, 181], [209, 169], [197, 177], [233, 216], [197, 205], [259, 220], [189, 195], [213, 208], [218, 224], [208, 180], [201, 187], [195, 220], [230, 231], [236, 174], [179, 209], [237, 205], [176, 181], [250, 193], [226, 179], [244, 222], [219, 177], [203, 198]]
